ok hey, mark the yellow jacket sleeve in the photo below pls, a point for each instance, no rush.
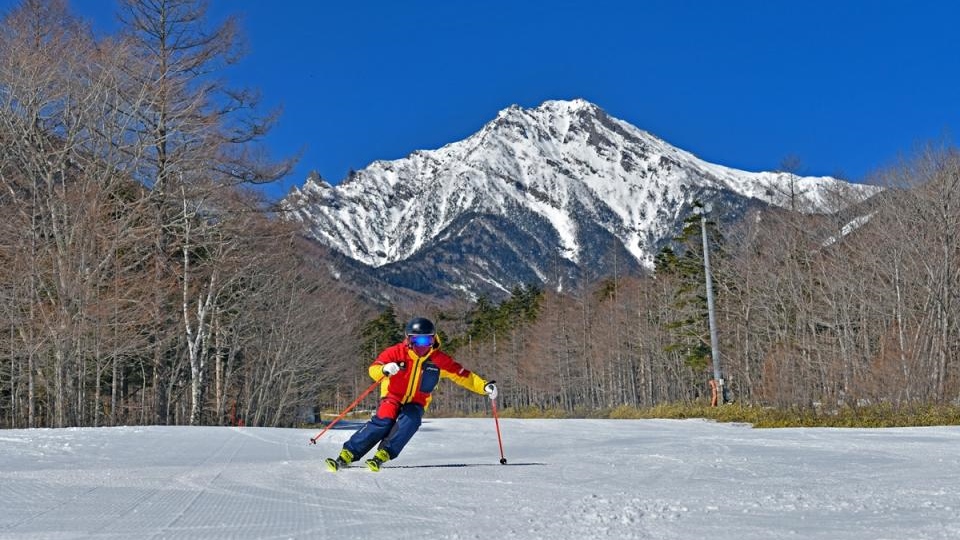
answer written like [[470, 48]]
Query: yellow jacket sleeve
[[472, 382], [376, 371]]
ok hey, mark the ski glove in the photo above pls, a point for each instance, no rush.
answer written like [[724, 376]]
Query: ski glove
[[391, 369], [491, 390]]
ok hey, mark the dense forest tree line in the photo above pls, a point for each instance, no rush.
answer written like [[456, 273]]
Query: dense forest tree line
[[142, 280], [133, 282], [813, 310]]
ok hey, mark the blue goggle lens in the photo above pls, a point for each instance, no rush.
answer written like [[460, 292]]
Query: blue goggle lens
[[421, 341]]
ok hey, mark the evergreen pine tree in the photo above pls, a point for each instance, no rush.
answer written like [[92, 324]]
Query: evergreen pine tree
[[380, 332]]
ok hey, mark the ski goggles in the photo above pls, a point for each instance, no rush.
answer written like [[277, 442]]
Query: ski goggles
[[421, 340]]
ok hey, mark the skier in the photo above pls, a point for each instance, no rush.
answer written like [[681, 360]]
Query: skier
[[409, 371]]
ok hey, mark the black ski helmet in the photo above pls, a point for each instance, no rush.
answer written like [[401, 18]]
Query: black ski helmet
[[420, 326]]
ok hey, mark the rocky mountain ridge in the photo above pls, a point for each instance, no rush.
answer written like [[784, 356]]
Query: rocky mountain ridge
[[552, 195]]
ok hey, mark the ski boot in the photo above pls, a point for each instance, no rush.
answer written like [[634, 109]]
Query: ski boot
[[341, 462], [377, 460]]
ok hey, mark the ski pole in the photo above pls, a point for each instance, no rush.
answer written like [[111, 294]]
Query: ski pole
[[313, 440], [496, 421]]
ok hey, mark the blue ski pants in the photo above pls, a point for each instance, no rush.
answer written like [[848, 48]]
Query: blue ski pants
[[392, 434]]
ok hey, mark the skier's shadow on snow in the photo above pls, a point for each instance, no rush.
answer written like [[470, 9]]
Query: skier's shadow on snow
[[450, 465]]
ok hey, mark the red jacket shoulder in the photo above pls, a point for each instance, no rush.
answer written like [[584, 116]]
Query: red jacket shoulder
[[393, 353], [446, 362], [442, 359]]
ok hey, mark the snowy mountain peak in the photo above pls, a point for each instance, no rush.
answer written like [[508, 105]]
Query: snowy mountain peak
[[565, 177]]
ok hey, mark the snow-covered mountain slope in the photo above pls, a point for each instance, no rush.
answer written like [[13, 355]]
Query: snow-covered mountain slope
[[535, 194]]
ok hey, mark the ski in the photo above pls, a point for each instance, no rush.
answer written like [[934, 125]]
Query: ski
[[333, 465]]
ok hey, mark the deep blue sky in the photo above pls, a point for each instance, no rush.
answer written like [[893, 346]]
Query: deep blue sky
[[846, 86]]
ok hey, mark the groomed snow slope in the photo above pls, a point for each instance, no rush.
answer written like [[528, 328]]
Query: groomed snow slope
[[565, 480]]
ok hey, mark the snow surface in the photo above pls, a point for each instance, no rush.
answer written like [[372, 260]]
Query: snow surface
[[565, 479]]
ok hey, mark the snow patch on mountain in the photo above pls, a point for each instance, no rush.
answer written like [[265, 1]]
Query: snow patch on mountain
[[566, 161]]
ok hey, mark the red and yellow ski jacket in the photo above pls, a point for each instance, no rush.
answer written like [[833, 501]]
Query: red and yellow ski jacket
[[419, 375]]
